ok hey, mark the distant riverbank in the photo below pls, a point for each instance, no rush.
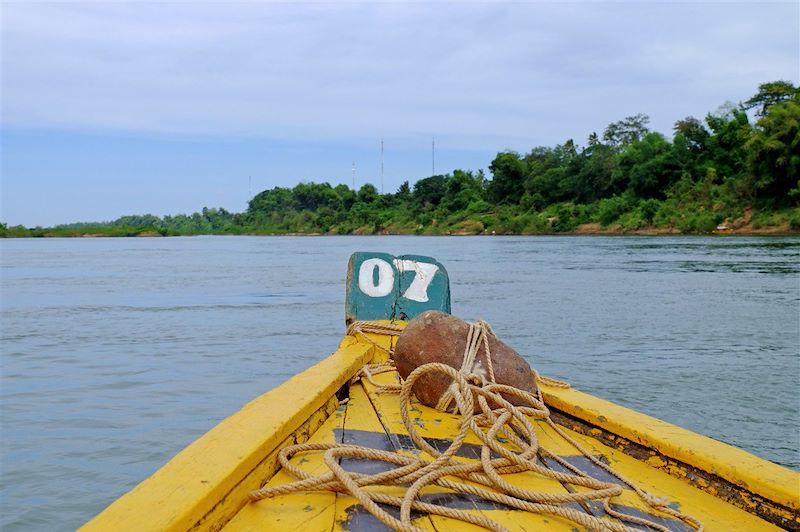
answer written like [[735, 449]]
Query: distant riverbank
[[735, 172], [466, 228]]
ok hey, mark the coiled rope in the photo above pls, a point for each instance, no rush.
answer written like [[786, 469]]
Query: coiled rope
[[486, 475]]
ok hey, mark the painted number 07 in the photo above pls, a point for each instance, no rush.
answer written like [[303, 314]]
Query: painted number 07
[[417, 290]]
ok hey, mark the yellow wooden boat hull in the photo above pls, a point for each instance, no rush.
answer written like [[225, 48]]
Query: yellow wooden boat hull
[[206, 485]]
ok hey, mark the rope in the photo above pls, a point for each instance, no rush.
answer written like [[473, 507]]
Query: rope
[[362, 327], [370, 370], [549, 381], [483, 478], [374, 327], [477, 336]]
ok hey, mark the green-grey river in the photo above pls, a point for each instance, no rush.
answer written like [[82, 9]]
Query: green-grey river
[[117, 353]]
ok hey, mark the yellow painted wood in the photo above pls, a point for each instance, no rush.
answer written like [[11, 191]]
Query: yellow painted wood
[[714, 513], [189, 486], [298, 511], [431, 423], [384, 343], [223, 511], [206, 484], [362, 417], [741, 468]]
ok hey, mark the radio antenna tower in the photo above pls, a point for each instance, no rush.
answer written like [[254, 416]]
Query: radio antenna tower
[[354, 175], [381, 165]]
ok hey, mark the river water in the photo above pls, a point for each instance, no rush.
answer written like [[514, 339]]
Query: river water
[[117, 353]]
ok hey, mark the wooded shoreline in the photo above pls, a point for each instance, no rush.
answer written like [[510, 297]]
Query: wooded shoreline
[[588, 229], [735, 172]]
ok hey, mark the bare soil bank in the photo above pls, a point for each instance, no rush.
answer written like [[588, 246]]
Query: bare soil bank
[[747, 229]]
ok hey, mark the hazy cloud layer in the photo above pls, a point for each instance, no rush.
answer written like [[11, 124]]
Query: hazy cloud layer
[[112, 108], [504, 75]]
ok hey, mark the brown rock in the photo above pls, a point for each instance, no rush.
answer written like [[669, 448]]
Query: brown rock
[[437, 337]]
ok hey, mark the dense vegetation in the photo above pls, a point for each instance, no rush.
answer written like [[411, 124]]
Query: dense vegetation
[[727, 170]]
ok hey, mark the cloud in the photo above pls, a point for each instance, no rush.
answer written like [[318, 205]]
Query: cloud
[[514, 74]]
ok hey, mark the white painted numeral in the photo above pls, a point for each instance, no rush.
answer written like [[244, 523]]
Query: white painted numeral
[[416, 291], [423, 275], [366, 281]]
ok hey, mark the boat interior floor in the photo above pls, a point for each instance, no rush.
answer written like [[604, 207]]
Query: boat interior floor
[[372, 419]]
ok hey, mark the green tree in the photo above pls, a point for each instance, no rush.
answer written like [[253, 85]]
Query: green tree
[[138, 220], [627, 131], [461, 190], [346, 197], [650, 166], [547, 177], [428, 192], [596, 173], [368, 194], [694, 132], [403, 194], [508, 178], [771, 93], [774, 151], [726, 149], [274, 200], [313, 196]]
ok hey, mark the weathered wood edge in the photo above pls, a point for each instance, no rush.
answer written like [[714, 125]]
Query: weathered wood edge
[[189, 487], [740, 478], [237, 498]]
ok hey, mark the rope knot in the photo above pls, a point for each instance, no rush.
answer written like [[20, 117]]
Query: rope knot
[[475, 379], [361, 328], [471, 367]]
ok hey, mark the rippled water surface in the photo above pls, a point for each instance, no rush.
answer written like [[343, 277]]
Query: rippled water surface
[[116, 353]]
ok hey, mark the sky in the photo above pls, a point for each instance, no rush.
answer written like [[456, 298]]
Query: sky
[[115, 108]]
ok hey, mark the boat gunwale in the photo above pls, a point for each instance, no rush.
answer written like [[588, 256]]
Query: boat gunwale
[[743, 479], [184, 492], [176, 497]]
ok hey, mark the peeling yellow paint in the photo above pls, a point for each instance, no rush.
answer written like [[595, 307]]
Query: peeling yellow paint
[[771, 481]]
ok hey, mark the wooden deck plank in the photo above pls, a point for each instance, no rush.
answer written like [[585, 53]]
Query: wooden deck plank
[[373, 419], [628, 502], [716, 514], [438, 428], [311, 511], [362, 427]]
